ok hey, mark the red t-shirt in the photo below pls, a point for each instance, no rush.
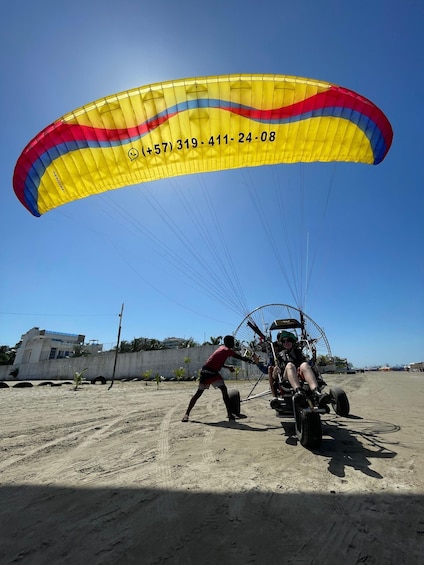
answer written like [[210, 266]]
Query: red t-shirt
[[218, 358]]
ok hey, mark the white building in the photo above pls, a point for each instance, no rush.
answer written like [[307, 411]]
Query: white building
[[173, 342], [40, 345]]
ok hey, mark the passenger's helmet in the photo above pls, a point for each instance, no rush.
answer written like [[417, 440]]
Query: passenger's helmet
[[286, 335]]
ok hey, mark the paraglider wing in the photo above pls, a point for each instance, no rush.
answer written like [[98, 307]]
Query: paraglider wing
[[196, 125]]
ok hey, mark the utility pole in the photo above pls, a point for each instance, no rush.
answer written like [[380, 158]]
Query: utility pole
[[117, 346]]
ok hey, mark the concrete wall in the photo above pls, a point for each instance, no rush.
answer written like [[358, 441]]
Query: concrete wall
[[128, 364]]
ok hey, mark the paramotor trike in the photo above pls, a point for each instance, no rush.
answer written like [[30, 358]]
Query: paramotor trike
[[257, 335]]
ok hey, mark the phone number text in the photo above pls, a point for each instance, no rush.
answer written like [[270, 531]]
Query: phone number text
[[194, 142]]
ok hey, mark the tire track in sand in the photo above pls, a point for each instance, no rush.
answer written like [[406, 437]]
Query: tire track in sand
[[68, 452], [167, 505], [166, 501]]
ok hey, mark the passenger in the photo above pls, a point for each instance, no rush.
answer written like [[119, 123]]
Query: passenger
[[295, 368], [209, 375]]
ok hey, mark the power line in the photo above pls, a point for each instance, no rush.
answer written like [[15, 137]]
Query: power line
[[56, 315]]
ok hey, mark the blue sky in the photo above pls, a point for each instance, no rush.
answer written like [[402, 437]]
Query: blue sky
[[354, 232]]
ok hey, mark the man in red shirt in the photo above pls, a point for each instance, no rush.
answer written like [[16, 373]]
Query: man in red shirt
[[209, 375]]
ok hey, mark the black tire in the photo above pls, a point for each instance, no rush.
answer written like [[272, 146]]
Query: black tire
[[3, 385], [98, 379], [309, 428], [339, 401], [22, 384], [234, 397]]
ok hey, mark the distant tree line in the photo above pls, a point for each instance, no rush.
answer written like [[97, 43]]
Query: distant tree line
[[339, 362], [152, 344], [7, 354]]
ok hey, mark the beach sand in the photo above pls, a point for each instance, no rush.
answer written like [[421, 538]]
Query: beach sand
[[99, 476]]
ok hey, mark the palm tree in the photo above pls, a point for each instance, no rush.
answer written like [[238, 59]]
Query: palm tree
[[189, 343], [155, 344], [137, 344], [79, 351], [7, 355], [125, 347], [237, 371], [179, 373], [324, 360], [78, 378], [214, 340]]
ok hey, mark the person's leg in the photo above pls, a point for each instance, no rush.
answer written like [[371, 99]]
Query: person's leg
[[274, 377], [290, 373], [322, 398], [309, 376], [192, 402], [271, 379]]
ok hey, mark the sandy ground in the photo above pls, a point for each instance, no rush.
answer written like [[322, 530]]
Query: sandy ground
[[114, 477]]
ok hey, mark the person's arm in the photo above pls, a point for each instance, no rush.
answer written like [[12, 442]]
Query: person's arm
[[282, 360], [263, 368], [254, 360]]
